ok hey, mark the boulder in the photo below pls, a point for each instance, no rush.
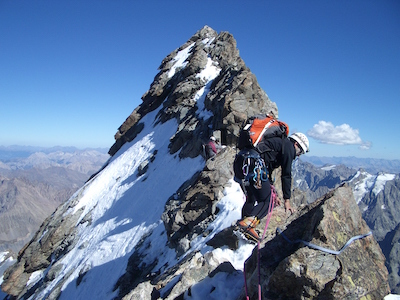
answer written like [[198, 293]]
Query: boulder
[[292, 270]]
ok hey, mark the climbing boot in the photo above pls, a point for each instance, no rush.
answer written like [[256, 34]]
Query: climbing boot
[[247, 225], [250, 233], [248, 222]]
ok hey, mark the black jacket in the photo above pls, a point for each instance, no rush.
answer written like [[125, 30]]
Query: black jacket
[[277, 152]]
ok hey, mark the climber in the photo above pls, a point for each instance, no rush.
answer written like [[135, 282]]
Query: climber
[[212, 147], [257, 164]]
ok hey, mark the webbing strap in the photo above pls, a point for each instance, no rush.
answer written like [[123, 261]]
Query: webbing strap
[[322, 248]]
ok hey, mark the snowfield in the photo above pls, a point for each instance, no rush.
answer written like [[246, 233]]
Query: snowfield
[[125, 207]]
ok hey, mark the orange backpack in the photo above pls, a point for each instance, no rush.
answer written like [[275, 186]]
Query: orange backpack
[[261, 127]]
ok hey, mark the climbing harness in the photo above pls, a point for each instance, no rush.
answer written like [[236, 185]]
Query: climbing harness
[[334, 252], [258, 173]]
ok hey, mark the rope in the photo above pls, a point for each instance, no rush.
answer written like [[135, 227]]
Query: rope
[[245, 282], [270, 208], [322, 248]]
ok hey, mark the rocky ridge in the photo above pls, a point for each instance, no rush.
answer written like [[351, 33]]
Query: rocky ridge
[[376, 195], [294, 271], [230, 94]]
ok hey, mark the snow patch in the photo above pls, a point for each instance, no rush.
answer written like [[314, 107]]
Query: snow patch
[[209, 73], [208, 41], [392, 297], [380, 182], [35, 278], [367, 182], [363, 186], [4, 264], [229, 212], [3, 256], [328, 168], [221, 286], [180, 60]]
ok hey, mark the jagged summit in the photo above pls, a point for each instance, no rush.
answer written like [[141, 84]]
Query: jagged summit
[[204, 77], [152, 223]]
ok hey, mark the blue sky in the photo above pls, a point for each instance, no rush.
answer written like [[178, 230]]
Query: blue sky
[[72, 71]]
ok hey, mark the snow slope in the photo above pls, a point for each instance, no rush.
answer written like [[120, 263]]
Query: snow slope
[[126, 207], [5, 262]]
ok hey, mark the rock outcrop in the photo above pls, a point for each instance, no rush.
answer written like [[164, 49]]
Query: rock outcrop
[[295, 271], [188, 213]]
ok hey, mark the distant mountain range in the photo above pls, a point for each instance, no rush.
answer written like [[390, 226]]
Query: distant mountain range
[[371, 165], [84, 161], [9, 153], [34, 181]]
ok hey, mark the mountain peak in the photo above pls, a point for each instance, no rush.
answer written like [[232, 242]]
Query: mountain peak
[[205, 86], [149, 225]]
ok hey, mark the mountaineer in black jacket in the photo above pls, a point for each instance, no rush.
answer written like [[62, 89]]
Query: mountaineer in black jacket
[[275, 152]]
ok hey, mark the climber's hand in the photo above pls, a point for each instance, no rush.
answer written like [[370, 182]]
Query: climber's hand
[[288, 207]]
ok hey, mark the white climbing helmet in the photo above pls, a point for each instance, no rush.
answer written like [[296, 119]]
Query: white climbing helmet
[[302, 140]]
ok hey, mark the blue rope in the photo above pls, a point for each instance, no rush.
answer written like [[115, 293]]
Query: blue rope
[[322, 248]]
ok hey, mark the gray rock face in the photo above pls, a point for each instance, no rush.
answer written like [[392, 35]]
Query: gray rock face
[[54, 238], [377, 198], [289, 271], [293, 271], [381, 212], [393, 258], [317, 181], [189, 211]]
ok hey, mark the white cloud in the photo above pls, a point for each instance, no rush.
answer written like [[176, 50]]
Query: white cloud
[[327, 133], [365, 145]]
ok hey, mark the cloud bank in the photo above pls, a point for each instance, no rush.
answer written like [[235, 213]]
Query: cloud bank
[[327, 133]]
